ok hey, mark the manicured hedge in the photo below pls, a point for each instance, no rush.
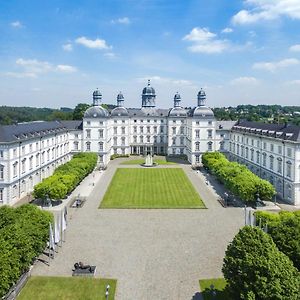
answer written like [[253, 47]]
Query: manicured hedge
[[24, 232], [238, 178], [66, 177], [284, 228]]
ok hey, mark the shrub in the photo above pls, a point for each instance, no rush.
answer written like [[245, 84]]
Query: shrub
[[237, 178], [255, 269], [112, 157], [66, 177], [22, 239]]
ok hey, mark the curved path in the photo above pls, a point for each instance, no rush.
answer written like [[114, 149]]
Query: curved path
[[154, 254]]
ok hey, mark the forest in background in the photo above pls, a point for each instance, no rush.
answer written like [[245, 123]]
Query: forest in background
[[260, 113]]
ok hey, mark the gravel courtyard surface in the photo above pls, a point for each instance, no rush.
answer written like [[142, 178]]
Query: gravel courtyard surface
[[154, 254]]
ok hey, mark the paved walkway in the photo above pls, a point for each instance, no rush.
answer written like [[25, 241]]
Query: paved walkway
[[154, 254]]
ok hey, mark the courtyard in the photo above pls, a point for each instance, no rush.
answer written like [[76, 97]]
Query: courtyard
[[153, 253], [151, 188]]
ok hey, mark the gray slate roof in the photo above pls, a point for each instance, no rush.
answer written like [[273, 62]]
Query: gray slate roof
[[148, 111], [24, 131], [225, 125], [279, 131]]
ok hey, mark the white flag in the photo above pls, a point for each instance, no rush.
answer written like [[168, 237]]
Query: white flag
[[57, 231], [63, 221], [51, 238]]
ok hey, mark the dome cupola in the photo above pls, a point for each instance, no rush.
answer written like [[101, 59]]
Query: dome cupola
[[201, 97], [120, 99], [97, 98], [148, 96], [177, 100]]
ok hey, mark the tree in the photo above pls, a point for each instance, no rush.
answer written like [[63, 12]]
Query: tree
[[79, 111], [255, 269]]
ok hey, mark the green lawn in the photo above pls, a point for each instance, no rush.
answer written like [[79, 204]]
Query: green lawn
[[141, 161], [219, 286], [67, 288], [151, 188]]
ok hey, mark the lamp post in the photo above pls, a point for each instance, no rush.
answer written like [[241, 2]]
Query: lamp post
[[107, 292]]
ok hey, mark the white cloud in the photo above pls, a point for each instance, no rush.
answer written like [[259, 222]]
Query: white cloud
[[124, 21], [34, 66], [110, 55], [273, 66], [66, 69], [166, 80], [205, 41], [295, 48], [293, 82], [16, 24], [267, 10], [20, 74], [227, 30], [67, 47], [244, 81], [93, 44]]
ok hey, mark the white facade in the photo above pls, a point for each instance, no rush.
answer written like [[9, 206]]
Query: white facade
[[272, 152], [31, 151]]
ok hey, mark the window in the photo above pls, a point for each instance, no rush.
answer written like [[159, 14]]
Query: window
[[289, 152], [257, 157], [264, 159], [48, 155], [174, 130], [271, 147], [271, 162], [197, 122], [30, 162], [123, 151], [155, 129], [279, 149], [252, 154], [1, 195], [1, 172], [75, 145], [141, 129], [197, 146], [88, 146], [15, 153], [100, 122], [209, 122], [37, 160], [100, 146], [123, 141], [148, 139], [173, 140], [174, 151], [135, 139], [141, 139], [252, 142], [88, 133], [115, 141], [15, 169], [155, 139], [161, 129], [209, 146], [257, 144], [148, 129], [221, 145], [265, 145], [279, 165], [30, 148], [23, 150], [181, 140], [288, 169], [134, 129], [76, 137], [197, 159], [238, 149], [181, 130], [115, 121], [148, 121], [247, 152], [123, 121], [181, 151], [197, 133], [123, 130], [88, 122], [100, 133], [115, 130], [209, 133]]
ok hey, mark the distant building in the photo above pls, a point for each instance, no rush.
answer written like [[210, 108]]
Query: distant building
[[31, 151]]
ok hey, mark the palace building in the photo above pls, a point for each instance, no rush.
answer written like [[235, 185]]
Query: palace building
[[31, 151]]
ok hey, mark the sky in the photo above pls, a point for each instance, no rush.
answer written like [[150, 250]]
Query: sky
[[56, 53]]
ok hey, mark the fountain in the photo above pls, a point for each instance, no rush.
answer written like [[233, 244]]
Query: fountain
[[149, 161]]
